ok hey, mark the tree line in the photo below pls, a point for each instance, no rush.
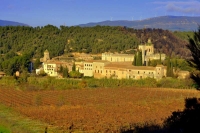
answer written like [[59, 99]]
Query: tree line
[[18, 41]]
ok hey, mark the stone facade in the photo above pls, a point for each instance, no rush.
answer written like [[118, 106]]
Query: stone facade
[[46, 57], [147, 55], [126, 70], [119, 66], [52, 67], [121, 70], [88, 68], [117, 57]]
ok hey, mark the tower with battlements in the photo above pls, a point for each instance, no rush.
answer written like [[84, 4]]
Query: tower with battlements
[[46, 57], [147, 50]]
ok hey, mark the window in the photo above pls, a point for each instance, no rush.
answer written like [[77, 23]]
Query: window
[[138, 72]]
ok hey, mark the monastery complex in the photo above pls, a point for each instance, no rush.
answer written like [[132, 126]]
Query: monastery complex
[[111, 65]]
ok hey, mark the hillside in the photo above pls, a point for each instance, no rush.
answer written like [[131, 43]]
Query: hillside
[[11, 23], [165, 41], [32, 42], [172, 23], [93, 40]]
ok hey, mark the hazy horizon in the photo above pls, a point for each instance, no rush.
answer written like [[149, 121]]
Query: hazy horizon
[[75, 12]]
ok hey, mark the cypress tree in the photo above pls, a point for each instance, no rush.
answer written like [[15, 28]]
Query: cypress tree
[[168, 67], [140, 63], [135, 59], [65, 72], [74, 67]]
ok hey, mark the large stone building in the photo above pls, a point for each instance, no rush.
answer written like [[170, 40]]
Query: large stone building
[[117, 57], [121, 70], [147, 55], [52, 67], [119, 66]]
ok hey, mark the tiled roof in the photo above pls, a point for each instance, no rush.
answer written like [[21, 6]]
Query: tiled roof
[[159, 66], [57, 62], [101, 61], [120, 54], [127, 65]]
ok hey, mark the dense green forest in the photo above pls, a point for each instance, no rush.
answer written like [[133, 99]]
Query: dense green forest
[[20, 44]]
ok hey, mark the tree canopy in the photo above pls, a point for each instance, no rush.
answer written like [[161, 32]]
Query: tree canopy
[[17, 41], [194, 61]]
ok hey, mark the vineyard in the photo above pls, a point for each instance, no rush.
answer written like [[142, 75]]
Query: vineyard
[[97, 110]]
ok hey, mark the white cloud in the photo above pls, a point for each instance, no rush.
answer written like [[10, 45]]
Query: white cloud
[[180, 6]]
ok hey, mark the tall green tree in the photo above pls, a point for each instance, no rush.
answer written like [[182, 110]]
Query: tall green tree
[[138, 59], [65, 72], [194, 61], [134, 61], [169, 68], [74, 67]]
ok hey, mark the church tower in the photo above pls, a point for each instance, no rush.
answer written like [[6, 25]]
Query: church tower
[[149, 47], [46, 56], [147, 50]]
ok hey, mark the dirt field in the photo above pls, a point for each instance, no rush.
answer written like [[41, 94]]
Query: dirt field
[[97, 110]]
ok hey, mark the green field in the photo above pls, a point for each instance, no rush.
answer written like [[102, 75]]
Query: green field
[[4, 129], [13, 122]]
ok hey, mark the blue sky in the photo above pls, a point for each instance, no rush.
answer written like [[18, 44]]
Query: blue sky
[[74, 12]]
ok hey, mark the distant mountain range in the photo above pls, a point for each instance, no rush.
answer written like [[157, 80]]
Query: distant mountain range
[[173, 23], [11, 23]]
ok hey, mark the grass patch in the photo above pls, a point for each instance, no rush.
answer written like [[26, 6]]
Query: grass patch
[[13, 122], [4, 129]]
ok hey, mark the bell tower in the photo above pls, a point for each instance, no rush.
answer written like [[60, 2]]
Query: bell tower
[[46, 56]]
